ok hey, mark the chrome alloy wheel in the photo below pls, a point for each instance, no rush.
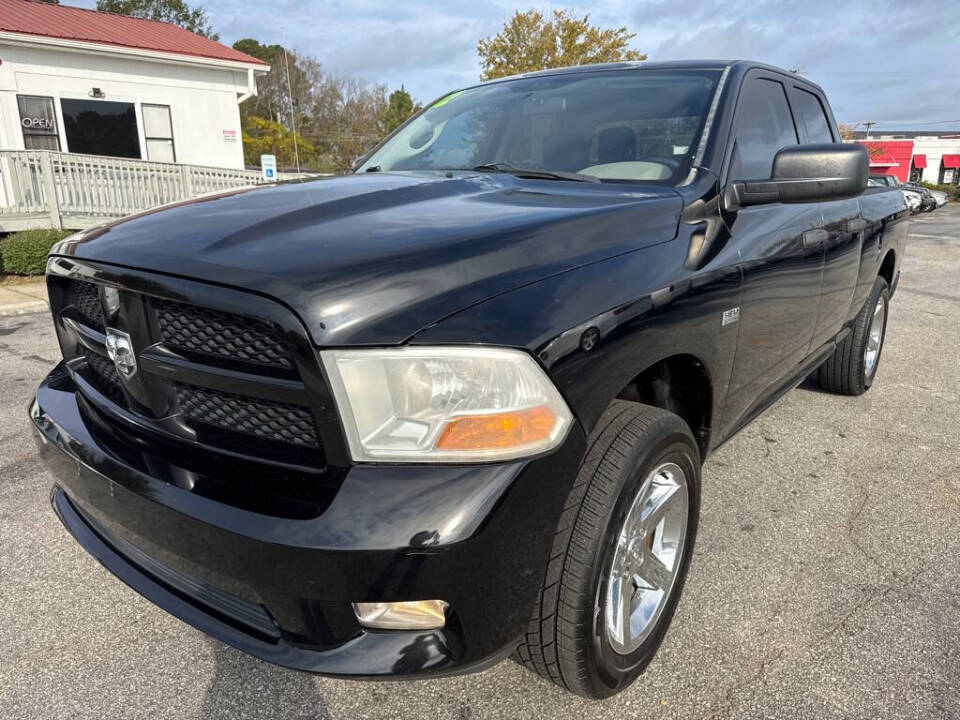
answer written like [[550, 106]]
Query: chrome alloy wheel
[[647, 557], [875, 337]]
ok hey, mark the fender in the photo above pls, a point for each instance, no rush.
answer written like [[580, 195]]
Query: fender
[[620, 315]]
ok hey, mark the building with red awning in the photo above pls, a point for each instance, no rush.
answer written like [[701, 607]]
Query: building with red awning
[[933, 159]]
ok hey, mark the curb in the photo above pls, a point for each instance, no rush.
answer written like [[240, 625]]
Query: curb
[[24, 308]]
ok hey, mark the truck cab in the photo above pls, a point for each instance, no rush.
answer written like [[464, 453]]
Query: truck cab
[[455, 405]]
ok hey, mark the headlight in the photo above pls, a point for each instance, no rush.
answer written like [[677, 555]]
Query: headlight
[[445, 404]]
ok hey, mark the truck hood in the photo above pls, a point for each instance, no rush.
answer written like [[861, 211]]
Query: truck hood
[[374, 258]]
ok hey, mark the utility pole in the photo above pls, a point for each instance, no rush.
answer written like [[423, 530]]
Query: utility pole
[[868, 124]]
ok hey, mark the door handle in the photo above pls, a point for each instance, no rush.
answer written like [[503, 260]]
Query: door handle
[[815, 237], [856, 225]]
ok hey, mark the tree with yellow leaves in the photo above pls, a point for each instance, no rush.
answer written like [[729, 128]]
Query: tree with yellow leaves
[[847, 131], [529, 42], [266, 137]]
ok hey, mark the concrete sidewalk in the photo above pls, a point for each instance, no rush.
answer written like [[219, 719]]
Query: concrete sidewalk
[[21, 298]]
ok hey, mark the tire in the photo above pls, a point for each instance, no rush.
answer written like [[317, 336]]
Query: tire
[[568, 640], [849, 371]]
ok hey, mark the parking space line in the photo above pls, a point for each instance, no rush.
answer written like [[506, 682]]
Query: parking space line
[[933, 237]]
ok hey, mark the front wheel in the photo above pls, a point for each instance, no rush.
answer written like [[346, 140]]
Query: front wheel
[[620, 555], [853, 366]]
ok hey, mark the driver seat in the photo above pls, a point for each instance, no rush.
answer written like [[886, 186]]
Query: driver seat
[[616, 144], [568, 152]]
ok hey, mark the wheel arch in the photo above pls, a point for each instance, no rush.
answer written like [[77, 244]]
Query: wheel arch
[[680, 384], [888, 266]]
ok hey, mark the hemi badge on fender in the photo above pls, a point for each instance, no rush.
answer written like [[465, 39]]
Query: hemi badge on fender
[[731, 316]]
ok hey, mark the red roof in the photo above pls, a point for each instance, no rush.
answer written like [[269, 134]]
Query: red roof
[[894, 155], [951, 161], [882, 160], [919, 161], [29, 17]]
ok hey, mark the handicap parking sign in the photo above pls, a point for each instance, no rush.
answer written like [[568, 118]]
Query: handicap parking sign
[[268, 166]]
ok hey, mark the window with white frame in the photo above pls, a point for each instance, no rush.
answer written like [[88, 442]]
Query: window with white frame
[[38, 121], [158, 132]]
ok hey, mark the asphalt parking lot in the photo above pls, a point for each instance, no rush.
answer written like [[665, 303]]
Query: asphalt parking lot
[[825, 583]]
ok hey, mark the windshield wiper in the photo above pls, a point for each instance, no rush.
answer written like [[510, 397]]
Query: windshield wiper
[[502, 167]]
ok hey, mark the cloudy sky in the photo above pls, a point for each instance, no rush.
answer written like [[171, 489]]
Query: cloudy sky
[[892, 61]]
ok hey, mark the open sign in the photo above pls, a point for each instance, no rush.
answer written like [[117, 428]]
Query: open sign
[[37, 123]]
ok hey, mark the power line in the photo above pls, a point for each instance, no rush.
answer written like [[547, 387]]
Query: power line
[[932, 122], [905, 122]]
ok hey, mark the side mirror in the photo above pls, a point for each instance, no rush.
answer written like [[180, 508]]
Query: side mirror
[[808, 173]]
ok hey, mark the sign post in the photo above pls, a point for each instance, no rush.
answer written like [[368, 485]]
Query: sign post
[[268, 167]]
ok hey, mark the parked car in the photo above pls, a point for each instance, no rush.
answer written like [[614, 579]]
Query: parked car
[[939, 196], [914, 201], [455, 406], [927, 201], [883, 181]]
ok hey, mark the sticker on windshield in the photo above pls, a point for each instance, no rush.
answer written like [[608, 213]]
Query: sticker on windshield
[[447, 98]]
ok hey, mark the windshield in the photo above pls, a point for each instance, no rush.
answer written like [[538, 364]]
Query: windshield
[[641, 125]]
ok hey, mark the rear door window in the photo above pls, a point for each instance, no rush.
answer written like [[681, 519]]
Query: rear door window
[[764, 126], [811, 118]]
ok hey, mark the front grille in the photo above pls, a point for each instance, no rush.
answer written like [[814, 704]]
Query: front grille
[[266, 419], [84, 297], [210, 332], [222, 383], [104, 377]]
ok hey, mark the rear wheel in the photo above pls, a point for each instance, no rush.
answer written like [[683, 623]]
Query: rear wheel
[[620, 555], [853, 366]]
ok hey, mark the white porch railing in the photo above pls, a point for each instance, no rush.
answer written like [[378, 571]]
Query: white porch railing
[[41, 188]]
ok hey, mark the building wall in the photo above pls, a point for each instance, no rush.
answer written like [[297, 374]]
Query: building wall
[[935, 148], [202, 99]]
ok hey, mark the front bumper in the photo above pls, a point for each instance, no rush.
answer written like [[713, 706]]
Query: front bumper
[[281, 589]]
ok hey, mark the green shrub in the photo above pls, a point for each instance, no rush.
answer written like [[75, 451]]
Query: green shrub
[[25, 252]]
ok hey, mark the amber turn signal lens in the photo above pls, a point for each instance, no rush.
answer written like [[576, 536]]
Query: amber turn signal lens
[[500, 430]]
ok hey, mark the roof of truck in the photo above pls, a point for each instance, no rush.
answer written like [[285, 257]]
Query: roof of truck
[[665, 65], [633, 64]]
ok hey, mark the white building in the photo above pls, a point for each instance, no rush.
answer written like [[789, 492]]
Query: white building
[[936, 159], [915, 156], [81, 81]]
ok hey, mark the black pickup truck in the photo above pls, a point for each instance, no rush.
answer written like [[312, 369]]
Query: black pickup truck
[[455, 405]]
